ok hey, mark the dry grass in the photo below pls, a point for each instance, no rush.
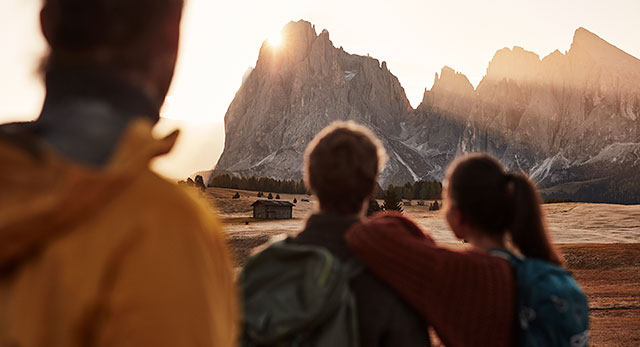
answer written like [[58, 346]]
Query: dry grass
[[600, 242]]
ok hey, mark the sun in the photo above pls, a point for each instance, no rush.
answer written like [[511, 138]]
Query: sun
[[275, 40]]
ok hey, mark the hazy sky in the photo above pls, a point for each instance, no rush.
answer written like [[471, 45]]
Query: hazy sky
[[221, 39]]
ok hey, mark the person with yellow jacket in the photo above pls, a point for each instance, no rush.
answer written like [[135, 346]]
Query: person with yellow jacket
[[95, 249]]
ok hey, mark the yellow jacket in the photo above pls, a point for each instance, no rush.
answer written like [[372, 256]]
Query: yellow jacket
[[114, 256]]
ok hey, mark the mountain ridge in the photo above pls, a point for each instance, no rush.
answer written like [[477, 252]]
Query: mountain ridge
[[547, 117]]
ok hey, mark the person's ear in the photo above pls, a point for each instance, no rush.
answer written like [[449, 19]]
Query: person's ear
[[455, 221]]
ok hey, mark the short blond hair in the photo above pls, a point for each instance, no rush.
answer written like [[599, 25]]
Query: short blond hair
[[342, 164]]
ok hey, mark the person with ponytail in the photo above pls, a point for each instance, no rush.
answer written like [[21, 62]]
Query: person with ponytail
[[485, 204], [471, 297]]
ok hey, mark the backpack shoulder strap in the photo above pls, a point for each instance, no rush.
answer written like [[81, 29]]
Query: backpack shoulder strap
[[514, 259], [352, 267]]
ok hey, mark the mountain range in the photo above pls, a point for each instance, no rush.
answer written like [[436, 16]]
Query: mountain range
[[571, 120]]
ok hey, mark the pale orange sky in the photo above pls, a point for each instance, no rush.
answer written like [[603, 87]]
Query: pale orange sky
[[221, 39]]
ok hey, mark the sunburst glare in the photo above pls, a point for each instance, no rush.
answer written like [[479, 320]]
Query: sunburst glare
[[275, 40]]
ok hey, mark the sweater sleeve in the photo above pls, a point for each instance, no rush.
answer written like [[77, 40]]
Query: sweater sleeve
[[467, 296], [398, 253]]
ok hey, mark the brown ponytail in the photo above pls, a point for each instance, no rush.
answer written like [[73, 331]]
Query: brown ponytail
[[496, 202], [528, 230]]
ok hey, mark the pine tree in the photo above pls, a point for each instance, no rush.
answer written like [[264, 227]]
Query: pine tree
[[200, 183], [270, 196], [277, 196], [391, 201], [295, 201]]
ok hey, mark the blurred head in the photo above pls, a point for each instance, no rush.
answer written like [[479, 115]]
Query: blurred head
[[137, 39], [481, 197], [342, 164]]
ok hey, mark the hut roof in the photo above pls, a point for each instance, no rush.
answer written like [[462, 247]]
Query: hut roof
[[273, 203]]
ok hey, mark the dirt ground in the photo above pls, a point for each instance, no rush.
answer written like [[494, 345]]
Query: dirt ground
[[600, 242], [610, 276]]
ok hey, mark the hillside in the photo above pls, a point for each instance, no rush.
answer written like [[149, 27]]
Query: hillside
[[568, 118]]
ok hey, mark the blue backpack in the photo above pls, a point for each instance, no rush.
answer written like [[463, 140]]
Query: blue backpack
[[552, 308]]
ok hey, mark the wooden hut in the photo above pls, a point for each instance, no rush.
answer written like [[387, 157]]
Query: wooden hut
[[269, 209]]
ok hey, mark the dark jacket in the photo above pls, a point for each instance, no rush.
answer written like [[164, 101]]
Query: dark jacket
[[383, 318]]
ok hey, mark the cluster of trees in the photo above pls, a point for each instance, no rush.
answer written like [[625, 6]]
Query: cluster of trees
[[554, 200], [198, 183], [623, 188], [259, 184], [393, 195], [420, 190], [270, 196], [392, 202]]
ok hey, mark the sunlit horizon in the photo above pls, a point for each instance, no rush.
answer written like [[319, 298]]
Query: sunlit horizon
[[221, 40]]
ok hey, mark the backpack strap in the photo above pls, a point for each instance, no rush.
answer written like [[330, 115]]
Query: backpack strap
[[352, 267], [515, 260]]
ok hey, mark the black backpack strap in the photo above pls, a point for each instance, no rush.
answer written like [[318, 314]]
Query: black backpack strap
[[353, 267]]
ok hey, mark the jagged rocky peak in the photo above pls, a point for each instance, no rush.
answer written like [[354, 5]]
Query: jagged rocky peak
[[297, 88], [452, 82], [451, 92], [515, 64], [583, 36], [589, 51], [297, 40], [586, 41]]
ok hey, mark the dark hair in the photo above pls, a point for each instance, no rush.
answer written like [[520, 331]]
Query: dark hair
[[497, 202], [78, 26], [341, 166]]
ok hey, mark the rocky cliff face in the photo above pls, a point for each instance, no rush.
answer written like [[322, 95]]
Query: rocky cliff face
[[571, 117], [547, 116], [297, 89]]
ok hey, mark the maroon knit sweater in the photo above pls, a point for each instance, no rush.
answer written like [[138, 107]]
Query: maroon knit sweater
[[467, 296]]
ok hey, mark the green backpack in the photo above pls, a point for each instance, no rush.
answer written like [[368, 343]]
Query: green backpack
[[298, 295], [552, 308]]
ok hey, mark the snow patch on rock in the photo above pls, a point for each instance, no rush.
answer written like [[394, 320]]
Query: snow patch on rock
[[349, 75], [413, 174]]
